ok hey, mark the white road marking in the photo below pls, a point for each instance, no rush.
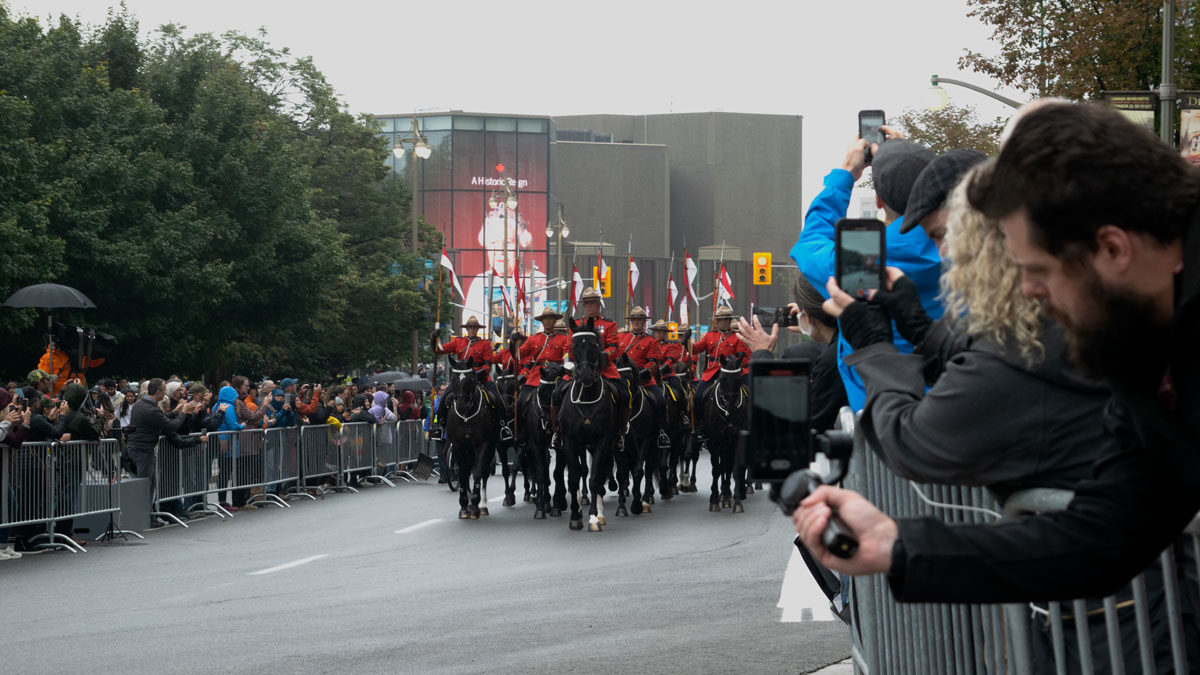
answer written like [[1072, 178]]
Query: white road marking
[[414, 528], [801, 598], [294, 563], [495, 500]]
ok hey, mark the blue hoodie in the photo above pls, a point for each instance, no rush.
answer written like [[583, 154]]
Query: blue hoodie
[[229, 421], [914, 253]]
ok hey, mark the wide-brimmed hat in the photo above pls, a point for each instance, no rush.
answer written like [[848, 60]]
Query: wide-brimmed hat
[[660, 325], [683, 327], [589, 293], [723, 312], [547, 313], [638, 313], [560, 324], [472, 323]]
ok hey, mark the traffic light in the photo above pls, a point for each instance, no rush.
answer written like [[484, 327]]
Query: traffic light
[[673, 331], [603, 285], [762, 269]]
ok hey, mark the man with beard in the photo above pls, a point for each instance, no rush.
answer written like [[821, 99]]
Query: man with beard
[[1104, 222]]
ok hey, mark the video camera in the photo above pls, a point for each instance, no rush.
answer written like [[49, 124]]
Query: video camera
[[79, 342], [781, 449]]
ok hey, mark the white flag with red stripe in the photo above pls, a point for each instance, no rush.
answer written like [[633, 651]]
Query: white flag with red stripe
[[724, 288], [672, 295], [453, 277], [634, 275], [683, 311], [516, 275], [576, 287], [692, 271]]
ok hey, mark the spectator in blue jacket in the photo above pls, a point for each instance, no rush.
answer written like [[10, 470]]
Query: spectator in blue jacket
[[228, 461], [896, 165]]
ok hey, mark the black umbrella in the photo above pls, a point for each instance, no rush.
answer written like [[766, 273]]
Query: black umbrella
[[413, 384], [49, 296], [378, 378]]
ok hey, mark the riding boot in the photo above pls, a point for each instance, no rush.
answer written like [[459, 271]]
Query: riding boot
[[555, 441]]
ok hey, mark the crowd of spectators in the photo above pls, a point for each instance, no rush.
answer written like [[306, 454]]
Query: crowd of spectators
[[1035, 331], [138, 413]]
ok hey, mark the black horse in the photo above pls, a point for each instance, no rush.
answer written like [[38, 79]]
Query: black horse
[[507, 385], [678, 425], [587, 420], [685, 453], [473, 430], [725, 406], [533, 440], [641, 456]]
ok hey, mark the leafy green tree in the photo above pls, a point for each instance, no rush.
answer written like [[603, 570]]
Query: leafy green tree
[[954, 126]]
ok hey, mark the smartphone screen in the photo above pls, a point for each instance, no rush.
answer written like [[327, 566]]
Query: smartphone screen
[[860, 255], [869, 123], [779, 437]]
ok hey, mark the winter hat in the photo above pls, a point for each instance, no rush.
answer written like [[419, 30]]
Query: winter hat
[[74, 394], [895, 168], [287, 382]]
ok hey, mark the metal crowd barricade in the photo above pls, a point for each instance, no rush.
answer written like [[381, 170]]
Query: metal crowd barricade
[[360, 447], [25, 494], [387, 450], [921, 639], [321, 457], [181, 474], [410, 442], [280, 466], [1169, 576], [891, 637], [71, 480]]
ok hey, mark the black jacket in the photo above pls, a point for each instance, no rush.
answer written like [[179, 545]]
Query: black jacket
[[147, 422], [827, 396], [1043, 424], [41, 429], [1144, 490]]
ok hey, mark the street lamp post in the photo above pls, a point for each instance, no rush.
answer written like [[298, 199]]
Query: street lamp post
[[935, 81], [563, 230], [510, 204], [421, 150]]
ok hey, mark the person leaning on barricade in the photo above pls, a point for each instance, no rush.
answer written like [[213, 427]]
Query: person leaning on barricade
[[1104, 222], [994, 363], [147, 422], [14, 425], [828, 395]]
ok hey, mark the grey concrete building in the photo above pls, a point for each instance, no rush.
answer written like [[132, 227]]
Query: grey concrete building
[[734, 177]]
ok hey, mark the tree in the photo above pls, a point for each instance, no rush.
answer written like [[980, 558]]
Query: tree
[[953, 126], [1076, 50]]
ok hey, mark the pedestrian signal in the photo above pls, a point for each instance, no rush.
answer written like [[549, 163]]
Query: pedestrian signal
[[762, 269], [604, 286]]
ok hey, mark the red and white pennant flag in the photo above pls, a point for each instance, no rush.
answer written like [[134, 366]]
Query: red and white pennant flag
[[672, 295], [503, 291], [724, 288], [453, 277], [576, 287], [634, 275], [691, 270]]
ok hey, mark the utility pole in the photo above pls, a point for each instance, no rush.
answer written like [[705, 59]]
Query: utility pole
[[1166, 89]]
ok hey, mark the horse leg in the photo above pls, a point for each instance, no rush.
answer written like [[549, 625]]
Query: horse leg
[[583, 467], [739, 486], [560, 484], [536, 460], [573, 469], [726, 476], [510, 475], [464, 486], [714, 500], [622, 465], [595, 485]]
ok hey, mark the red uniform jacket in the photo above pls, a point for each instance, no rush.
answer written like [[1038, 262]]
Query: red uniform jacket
[[539, 350], [640, 349], [478, 349], [667, 354], [717, 346], [504, 359], [607, 332]]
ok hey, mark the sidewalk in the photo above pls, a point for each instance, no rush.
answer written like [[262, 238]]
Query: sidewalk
[[843, 668]]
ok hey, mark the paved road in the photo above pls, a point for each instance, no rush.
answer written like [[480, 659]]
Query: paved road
[[348, 583]]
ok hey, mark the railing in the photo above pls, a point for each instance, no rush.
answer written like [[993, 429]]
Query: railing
[[48, 483], [931, 639]]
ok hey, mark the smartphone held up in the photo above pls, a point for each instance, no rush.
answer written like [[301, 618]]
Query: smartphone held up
[[861, 250], [870, 128]]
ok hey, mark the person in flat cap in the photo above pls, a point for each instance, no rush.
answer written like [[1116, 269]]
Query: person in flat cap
[[927, 201], [895, 167]]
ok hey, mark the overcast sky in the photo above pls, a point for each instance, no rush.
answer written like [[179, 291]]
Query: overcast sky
[[822, 60]]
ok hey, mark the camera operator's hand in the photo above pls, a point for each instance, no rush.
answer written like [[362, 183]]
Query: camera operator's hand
[[753, 335], [903, 303], [65, 438], [875, 532], [26, 415], [863, 323], [794, 310], [12, 415], [856, 158]]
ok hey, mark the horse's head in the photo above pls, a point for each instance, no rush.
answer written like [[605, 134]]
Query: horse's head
[[551, 372], [463, 378], [586, 351], [730, 376]]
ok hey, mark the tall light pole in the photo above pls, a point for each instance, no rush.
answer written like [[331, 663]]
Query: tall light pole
[[936, 81], [510, 205], [421, 150], [563, 230]]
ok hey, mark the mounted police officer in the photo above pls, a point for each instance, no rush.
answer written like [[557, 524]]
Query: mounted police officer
[[479, 351], [607, 333], [717, 344], [640, 348], [542, 349]]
